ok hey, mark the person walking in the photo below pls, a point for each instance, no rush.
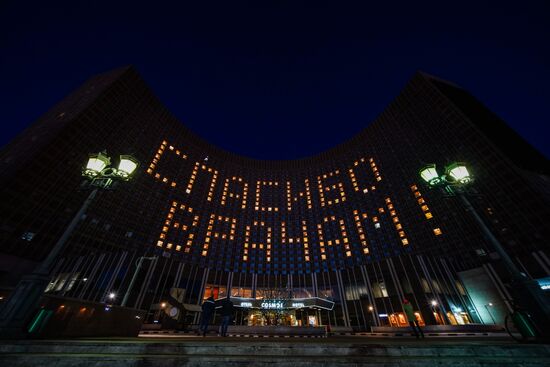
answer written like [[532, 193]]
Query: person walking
[[207, 308], [413, 322], [227, 315]]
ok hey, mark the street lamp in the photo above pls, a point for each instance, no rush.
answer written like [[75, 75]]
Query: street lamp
[[102, 175], [22, 302], [456, 174], [527, 292]]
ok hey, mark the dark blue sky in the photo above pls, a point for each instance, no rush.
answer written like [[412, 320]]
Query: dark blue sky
[[279, 80]]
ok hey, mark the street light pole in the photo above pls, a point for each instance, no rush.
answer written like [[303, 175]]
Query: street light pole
[[510, 265], [134, 277], [526, 292], [489, 312], [44, 267], [22, 302]]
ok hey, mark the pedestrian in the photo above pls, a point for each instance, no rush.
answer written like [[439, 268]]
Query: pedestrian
[[207, 308], [413, 322], [227, 315]]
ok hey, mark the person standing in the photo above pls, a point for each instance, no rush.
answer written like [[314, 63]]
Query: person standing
[[227, 315], [413, 322], [207, 308]]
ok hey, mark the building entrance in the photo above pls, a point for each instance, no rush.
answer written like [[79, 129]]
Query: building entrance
[[289, 318], [288, 312]]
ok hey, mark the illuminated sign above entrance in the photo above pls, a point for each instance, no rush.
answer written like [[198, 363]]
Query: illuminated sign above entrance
[[273, 304], [276, 304]]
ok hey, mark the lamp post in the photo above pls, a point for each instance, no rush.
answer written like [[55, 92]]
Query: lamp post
[[134, 277], [526, 292], [21, 304]]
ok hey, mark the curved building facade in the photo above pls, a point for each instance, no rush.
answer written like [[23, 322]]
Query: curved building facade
[[340, 238]]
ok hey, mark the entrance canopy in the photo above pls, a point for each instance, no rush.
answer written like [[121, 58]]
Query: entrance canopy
[[294, 303]]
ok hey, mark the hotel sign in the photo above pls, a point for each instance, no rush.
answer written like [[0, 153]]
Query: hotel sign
[[275, 304]]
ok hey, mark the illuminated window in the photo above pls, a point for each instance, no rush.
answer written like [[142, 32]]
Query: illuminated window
[[375, 170], [437, 231], [323, 187]]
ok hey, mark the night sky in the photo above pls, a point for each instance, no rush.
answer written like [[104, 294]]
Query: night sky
[[279, 80]]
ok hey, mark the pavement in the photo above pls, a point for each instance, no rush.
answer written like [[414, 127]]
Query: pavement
[[347, 350]]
